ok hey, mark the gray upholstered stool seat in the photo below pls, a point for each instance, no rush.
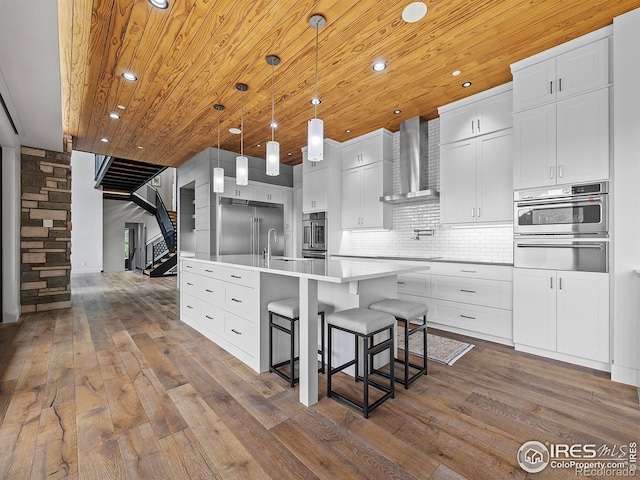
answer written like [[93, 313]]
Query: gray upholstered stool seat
[[408, 313], [402, 309], [363, 324], [289, 310], [290, 307], [360, 320]]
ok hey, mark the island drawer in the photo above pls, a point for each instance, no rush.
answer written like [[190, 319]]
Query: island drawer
[[239, 299], [241, 332], [414, 284], [475, 291], [190, 266], [190, 307], [473, 270], [213, 318], [190, 283], [230, 274], [212, 290], [488, 321]]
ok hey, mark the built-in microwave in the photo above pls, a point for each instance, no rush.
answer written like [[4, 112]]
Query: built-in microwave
[[564, 209]]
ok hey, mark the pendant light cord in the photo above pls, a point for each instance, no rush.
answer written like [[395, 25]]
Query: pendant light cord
[[242, 123], [315, 107], [218, 138], [273, 96]]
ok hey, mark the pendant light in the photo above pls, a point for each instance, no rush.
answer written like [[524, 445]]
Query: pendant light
[[242, 162], [273, 147], [218, 173], [315, 138]]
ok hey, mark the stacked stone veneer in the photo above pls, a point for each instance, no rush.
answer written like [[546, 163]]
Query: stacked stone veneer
[[45, 230]]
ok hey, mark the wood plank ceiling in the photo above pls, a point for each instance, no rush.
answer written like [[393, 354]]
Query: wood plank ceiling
[[190, 56]]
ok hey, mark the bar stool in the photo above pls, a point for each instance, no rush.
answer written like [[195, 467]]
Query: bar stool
[[363, 324], [407, 312], [289, 310]]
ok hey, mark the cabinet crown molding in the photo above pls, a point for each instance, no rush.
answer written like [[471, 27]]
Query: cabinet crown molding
[[476, 97]]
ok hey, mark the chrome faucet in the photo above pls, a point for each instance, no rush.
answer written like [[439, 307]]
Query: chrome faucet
[[275, 239]]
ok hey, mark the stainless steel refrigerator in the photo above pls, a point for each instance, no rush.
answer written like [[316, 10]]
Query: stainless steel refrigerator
[[243, 227]]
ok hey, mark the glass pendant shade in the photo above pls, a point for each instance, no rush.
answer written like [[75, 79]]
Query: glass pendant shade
[[273, 158], [218, 180], [242, 170], [315, 140]]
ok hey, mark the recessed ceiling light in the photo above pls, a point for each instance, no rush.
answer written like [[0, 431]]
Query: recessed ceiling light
[[289, 153], [162, 4], [140, 148], [316, 101], [273, 124], [348, 130], [129, 76], [396, 112], [379, 66], [414, 12], [121, 107], [466, 84], [259, 145], [455, 73], [114, 115], [235, 131], [104, 140]]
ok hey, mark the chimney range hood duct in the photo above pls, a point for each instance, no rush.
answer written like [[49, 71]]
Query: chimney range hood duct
[[413, 164]]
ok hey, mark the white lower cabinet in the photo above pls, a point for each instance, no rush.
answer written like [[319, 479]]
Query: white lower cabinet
[[228, 306], [562, 315]]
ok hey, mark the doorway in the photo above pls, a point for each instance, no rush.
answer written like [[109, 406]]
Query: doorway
[[134, 237]]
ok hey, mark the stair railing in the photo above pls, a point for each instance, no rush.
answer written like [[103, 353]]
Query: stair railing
[[166, 226]]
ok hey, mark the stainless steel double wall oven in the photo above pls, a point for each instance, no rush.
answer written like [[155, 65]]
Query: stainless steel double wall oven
[[563, 228]]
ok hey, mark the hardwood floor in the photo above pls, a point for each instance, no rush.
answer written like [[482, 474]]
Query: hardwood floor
[[118, 387]]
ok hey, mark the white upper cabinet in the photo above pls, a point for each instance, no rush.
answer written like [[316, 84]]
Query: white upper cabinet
[[314, 191], [321, 181], [367, 149], [476, 172], [244, 192], [561, 114], [362, 188], [476, 179], [577, 71], [487, 112]]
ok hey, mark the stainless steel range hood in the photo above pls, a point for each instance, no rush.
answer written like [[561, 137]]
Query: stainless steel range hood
[[413, 164]]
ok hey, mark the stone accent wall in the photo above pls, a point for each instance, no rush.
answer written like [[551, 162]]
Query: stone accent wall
[[45, 230]]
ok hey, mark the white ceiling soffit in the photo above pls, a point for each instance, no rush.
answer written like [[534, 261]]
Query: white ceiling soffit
[[30, 71]]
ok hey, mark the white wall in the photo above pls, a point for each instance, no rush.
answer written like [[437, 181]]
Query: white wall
[[625, 199], [10, 221], [115, 214], [86, 216], [481, 244]]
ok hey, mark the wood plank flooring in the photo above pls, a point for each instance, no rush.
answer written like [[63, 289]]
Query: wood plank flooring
[[118, 387]]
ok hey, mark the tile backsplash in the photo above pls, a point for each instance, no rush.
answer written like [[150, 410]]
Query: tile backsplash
[[483, 244]]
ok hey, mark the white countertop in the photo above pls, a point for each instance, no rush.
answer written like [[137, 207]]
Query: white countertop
[[335, 271]]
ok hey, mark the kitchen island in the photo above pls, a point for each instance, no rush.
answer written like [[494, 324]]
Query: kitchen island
[[225, 298]]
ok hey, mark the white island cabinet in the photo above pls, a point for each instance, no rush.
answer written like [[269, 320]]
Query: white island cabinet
[[225, 298]]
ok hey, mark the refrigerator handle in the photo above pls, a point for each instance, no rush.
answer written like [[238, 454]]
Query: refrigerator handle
[[253, 237], [257, 227]]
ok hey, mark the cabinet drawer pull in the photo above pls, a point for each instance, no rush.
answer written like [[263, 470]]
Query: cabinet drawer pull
[[400, 283], [551, 88], [235, 276], [550, 172], [189, 266], [236, 332], [208, 291], [190, 284], [467, 291], [236, 300], [468, 316], [189, 306], [208, 271], [468, 271], [472, 129], [560, 84], [207, 316]]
